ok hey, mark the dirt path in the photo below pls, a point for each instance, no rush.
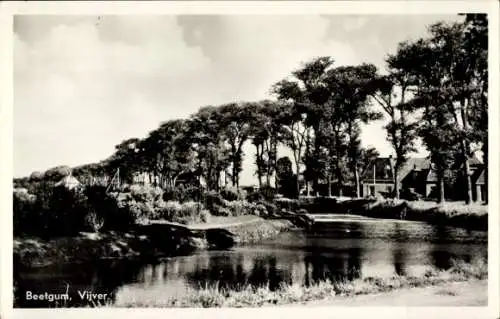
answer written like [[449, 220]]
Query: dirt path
[[220, 222], [465, 294]]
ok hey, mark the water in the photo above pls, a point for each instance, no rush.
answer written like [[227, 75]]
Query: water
[[351, 249]]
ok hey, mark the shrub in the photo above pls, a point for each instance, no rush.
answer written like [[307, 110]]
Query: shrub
[[213, 199], [205, 216], [66, 213], [182, 193], [271, 208], [264, 193], [261, 210], [169, 210], [188, 212], [171, 194], [221, 211], [229, 194], [113, 208], [93, 221], [237, 208], [287, 203], [145, 193], [191, 208]]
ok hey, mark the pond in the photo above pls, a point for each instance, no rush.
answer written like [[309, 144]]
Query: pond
[[343, 249]]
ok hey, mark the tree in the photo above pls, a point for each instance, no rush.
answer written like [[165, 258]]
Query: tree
[[392, 92], [286, 178], [170, 145], [56, 173], [125, 158], [307, 93], [476, 43], [209, 143], [36, 176], [450, 71], [266, 134], [236, 123], [352, 87]]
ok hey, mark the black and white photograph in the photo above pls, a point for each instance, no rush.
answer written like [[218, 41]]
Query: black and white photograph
[[204, 160]]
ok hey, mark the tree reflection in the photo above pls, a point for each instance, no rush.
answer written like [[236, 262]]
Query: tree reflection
[[342, 264], [399, 253]]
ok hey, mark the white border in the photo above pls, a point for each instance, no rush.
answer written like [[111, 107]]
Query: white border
[[8, 9]]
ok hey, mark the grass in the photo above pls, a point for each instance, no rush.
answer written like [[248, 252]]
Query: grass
[[260, 230], [473, 216], [251, 296]]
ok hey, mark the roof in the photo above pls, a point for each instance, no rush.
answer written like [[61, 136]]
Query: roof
[[431, 176], [384, 167], [473, 161], [477, 177], [68, 182], [414, 163]]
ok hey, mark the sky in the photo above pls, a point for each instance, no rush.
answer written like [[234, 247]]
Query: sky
[[82, 84]]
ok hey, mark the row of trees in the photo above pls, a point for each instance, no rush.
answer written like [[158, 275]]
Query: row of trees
[[434, 89]]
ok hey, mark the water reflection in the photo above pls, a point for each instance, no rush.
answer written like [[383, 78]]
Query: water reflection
[[399, 252], [335, 252]]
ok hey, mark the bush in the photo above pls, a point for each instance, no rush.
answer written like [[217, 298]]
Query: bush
[[169, 210], [212, 200], [112, 208], [264, 193], [229, 194], [182, 193], [185, 213], [144, 193], [221, 211], [93, 221], [205, 216]]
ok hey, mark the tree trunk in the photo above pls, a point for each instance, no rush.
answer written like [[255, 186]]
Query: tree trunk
[[308, 164], [441, 198], [339, 178], [396, 181], [339, 182], [297, 166], [485, 162], [316, 157], [275, 161], [234, 174], [329, 185], [465, 153], [465, 172], [356, 177]]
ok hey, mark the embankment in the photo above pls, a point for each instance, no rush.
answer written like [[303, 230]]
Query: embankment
[[142, 242], [455, 214]]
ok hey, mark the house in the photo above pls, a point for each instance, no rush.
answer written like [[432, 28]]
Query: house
[[477, 171], [68, 182], [418, 176]]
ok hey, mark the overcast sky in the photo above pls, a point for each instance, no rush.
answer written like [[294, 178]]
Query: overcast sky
[[84, 84]]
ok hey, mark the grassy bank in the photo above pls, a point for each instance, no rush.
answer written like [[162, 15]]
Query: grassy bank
[[251, 296], [260, 230], [457, 214]]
